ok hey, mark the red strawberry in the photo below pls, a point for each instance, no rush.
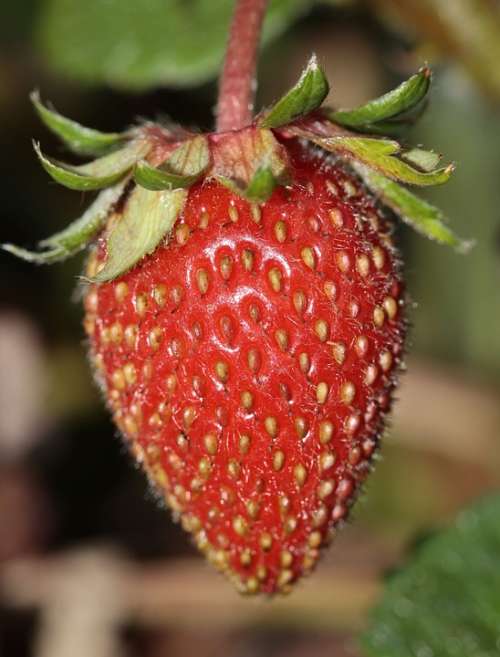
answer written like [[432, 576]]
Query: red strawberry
[[250, 360], [245, 309]]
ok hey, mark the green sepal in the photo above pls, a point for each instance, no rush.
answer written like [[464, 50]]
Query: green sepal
[[384, 155], [260, 187], [182, 169], [390, 109], [77, 235], [100, 173], [78, 138], [424, 160], [147, 218], [307, 95], [419, 214]]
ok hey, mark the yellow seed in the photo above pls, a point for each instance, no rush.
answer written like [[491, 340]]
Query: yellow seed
[[253, 358], [361, 345], [391, 307], [204, 220], [378, 257], [226, 267], [240, 525], [253, 508], [378, 317], [233, 468], [278, 460], [189, 416], [290, 524], [271, 426], [299, 301], [370, 374], [385, 360], [245, 557], [322, 392], [244, 443], [300, 427], [281, 338], [332, 188], [336, 218], [252, 585], [363, 265], [304, 362], [182, 234], [326, 488], [176, 294], [256, 213], [182, 441], [202, 280], [300, 474], [352, 423], [171, 383], [286, 559], [130, 425], [155, 337], [343, 261], [347, 392], [121, 291], [141, 304], [327, 460], [280, 231], [131, 335], [325, 432], [160, 294], [307, 255], [222, 371], [247, 399], [118, 380], [314, 539], [247, 259], [204, 466], [330, 290], [210, 441], [130, 373], [116, 333], [322, 329], [275, 277], [233, 213], [266, 541], [284, 578], [339, 351], [261, 572], [320, 516]]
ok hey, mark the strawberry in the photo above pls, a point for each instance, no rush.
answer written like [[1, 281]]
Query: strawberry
[[245, 310]]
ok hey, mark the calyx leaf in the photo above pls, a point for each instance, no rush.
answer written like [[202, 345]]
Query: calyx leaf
[[307, 95], [78, 138], [388, 112], [418, 213], [384, 155], [100, 173], [182, 169], [147, 218], [77, 235]]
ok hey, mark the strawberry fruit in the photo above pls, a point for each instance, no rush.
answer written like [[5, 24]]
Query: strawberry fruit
[[245, 310]]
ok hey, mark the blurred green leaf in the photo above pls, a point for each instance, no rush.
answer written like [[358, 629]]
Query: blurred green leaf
[[446, 602], [136, 44]]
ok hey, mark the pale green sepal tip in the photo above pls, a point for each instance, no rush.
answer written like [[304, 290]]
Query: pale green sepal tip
[[407, 97], [78, 138], [261, 186], [307, 95], [155, 179], [39, 258], [100, 173], [418, 213], [148, 217]]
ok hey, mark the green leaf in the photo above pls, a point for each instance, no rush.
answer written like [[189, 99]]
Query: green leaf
[[183, 168], [147, 218], [104, 172], [419, 214], [446, 601], [400, 101], [261, 186], [384, 155], [306, 96], [425, 160], [77, 235], [81, 140], [139, 44]]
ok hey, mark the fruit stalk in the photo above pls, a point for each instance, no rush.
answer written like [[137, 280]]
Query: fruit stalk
[[237, 84]]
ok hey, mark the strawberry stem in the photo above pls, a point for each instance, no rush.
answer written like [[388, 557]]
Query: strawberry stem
[[238, 84]]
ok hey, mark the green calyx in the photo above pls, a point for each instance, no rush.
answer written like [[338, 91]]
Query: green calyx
[[251, 162]]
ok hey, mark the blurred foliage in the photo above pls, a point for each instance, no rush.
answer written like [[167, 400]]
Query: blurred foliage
[[137, 44], [446, 602]]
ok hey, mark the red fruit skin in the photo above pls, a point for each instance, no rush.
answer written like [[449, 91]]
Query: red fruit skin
[[301, 301]]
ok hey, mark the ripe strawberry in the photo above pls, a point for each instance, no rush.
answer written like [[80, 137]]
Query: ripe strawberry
[[245, 312]]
